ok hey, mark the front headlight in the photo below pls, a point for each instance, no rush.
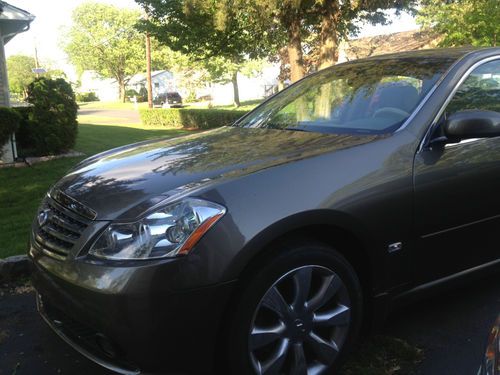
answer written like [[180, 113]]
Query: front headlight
[[169, 231]]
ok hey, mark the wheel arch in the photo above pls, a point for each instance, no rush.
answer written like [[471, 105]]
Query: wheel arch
[[335, 229], [344, 233]]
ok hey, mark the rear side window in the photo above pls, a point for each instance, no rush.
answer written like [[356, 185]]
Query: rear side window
[[479, 91]]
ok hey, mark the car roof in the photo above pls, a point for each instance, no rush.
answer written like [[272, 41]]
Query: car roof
[[445, 53]]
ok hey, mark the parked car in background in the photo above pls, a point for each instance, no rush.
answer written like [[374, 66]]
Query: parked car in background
[[168, 100], [267, 246]]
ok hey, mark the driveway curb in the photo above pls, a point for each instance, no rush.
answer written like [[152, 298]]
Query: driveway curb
[[14, 267]]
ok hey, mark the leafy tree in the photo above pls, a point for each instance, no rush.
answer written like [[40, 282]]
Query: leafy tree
[[283, 24], [463, 22], [19, 71], [223, 70], [104, 38], [321, 23], [202, 31], [338, 19], [189, 73]]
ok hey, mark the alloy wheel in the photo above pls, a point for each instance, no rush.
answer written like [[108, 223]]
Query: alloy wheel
[[301, 323]]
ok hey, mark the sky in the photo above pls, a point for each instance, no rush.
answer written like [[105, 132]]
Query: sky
[[53, 16]]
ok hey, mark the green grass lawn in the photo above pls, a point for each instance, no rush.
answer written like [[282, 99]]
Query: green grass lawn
[[21, 189], [245, 105], [111, 105]]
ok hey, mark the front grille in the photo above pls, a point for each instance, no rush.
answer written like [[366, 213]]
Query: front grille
[[60, 230]]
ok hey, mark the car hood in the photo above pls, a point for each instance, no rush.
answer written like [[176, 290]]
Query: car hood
[[122, 183]]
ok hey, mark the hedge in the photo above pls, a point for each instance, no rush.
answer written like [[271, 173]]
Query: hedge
[[49, 125], [9, 123], [87, 97], [190, 118]]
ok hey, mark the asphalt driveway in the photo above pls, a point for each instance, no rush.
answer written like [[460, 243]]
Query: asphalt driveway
[[451, 329], [109, 116]]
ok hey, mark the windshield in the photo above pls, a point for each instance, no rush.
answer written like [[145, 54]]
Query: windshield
[[373, 97]]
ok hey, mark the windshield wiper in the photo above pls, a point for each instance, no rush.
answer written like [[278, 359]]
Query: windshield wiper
[[295, 129]]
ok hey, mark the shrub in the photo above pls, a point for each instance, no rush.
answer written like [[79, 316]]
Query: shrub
[[130, 93], [142, 95], [86, 97], [49, 126], [9, 123], [190, 118]]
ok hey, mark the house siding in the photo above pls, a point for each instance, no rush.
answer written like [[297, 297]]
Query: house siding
[[161, 82], [8, 150]]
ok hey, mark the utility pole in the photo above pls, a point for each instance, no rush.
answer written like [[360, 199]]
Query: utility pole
[[148, 70], [37, 65]]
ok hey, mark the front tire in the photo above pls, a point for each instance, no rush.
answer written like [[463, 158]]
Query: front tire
[[297, 313]]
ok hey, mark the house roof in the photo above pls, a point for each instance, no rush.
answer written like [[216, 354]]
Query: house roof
[[13, 20], [141, 77], [391, 43]]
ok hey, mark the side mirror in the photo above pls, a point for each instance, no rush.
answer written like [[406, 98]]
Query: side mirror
[[472, 124]]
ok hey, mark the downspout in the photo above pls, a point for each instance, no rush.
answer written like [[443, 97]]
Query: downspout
[[13, 146]]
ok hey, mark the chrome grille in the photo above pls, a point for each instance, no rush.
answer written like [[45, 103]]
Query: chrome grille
[[60, 230]]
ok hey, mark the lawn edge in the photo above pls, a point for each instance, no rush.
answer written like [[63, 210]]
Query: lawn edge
[[14, 267]]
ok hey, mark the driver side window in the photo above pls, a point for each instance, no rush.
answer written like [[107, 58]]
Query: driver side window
[[479, 91]]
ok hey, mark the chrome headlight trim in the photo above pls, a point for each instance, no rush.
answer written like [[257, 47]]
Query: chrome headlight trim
[[168, 231]]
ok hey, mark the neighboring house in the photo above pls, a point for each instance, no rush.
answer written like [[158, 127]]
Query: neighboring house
[[106, 89], [162, 81], [390, 43], [250, 88], [12, 22]]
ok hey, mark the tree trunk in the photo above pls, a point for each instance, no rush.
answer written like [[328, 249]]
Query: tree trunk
[[236, 91], [121, 84], [328, 55], [148, 71], [329, 41], [294, 48]]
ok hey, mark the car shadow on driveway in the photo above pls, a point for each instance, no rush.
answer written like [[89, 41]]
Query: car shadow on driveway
[[451, 328]]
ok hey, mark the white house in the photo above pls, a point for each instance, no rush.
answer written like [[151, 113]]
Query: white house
[[162, 81], [250, 88], [106, 89], [12, 22]]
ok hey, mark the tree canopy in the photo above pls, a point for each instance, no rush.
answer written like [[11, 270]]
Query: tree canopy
[[463, 22], [239, 29], [104, 38], [19, 71], [203, 33]]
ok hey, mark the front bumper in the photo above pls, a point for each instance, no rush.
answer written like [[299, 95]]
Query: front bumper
[[137, 327], [83, 339]]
